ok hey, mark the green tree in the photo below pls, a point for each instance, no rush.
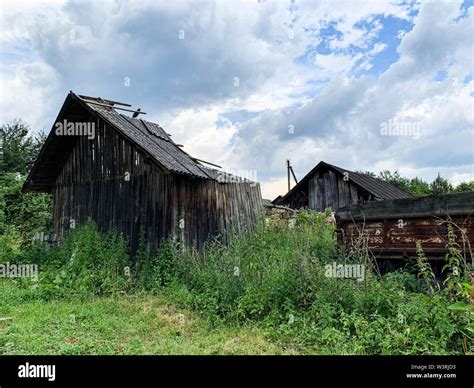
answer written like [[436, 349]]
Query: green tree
[[18, 147], [395, 179], [418, 187], [440, 186], [24, 213], [27, 213], [464, 186]]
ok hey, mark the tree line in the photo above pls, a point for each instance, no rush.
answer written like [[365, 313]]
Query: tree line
[[418, 187]]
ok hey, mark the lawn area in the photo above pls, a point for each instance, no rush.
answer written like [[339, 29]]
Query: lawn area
[[137, 324]]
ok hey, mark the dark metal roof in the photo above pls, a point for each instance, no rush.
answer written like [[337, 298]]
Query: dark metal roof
[[149, 137], [375, 186], [378, 187], [153, 139]]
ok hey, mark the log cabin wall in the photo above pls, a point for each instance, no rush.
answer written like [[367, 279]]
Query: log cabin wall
[[108, 180]]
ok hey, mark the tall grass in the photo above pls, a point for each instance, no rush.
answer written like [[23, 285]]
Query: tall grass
[[88, 262], [273, 269], [274, 278]]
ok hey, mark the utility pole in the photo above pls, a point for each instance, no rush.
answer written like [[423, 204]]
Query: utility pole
[[288, 171]]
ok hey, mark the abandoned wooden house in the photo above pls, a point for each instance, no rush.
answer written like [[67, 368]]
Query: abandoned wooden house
[[330, 187], [128, 175]]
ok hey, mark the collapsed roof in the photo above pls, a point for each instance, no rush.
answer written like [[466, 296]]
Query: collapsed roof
[[148, 137]]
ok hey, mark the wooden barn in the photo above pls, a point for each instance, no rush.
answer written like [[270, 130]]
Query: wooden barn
[[328, 186], [127, 174]]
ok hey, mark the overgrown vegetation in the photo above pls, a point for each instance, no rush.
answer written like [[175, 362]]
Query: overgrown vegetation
[[20, 213], [19, 147], [264, 293], [273, 281]]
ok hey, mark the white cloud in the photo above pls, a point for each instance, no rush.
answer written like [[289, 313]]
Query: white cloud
[[197, 130], [457, 178], [34, 84], [337, 63], [187, 85]]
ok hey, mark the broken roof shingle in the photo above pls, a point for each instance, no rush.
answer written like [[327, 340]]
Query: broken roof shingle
[[153, 139]]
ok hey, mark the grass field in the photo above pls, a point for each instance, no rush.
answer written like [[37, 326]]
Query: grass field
[[137, 324]]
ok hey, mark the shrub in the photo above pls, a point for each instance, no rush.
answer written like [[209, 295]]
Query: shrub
[[273, 269], [28, 213], [10, 245], [95, 262], [87, 262], [154, 270]]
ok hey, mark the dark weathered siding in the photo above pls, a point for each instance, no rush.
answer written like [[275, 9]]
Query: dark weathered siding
[[93, 183], [392, 228], [327, 190], [330, 187]]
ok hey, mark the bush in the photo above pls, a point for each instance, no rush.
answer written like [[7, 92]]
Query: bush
[[155, 270], [28, 213], [272, 269], [96, 262], [10, 245], [86, 263]]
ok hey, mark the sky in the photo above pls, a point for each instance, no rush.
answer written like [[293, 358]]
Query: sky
[[365, 85]]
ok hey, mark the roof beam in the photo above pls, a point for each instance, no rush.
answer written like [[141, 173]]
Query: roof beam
[[103, 99], [114, 107], [203, 161]]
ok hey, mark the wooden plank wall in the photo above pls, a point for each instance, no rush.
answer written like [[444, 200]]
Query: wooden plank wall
[[393, 227], [454, 203], [298, 199], [392, 238], [108, 180], [330, 190]]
